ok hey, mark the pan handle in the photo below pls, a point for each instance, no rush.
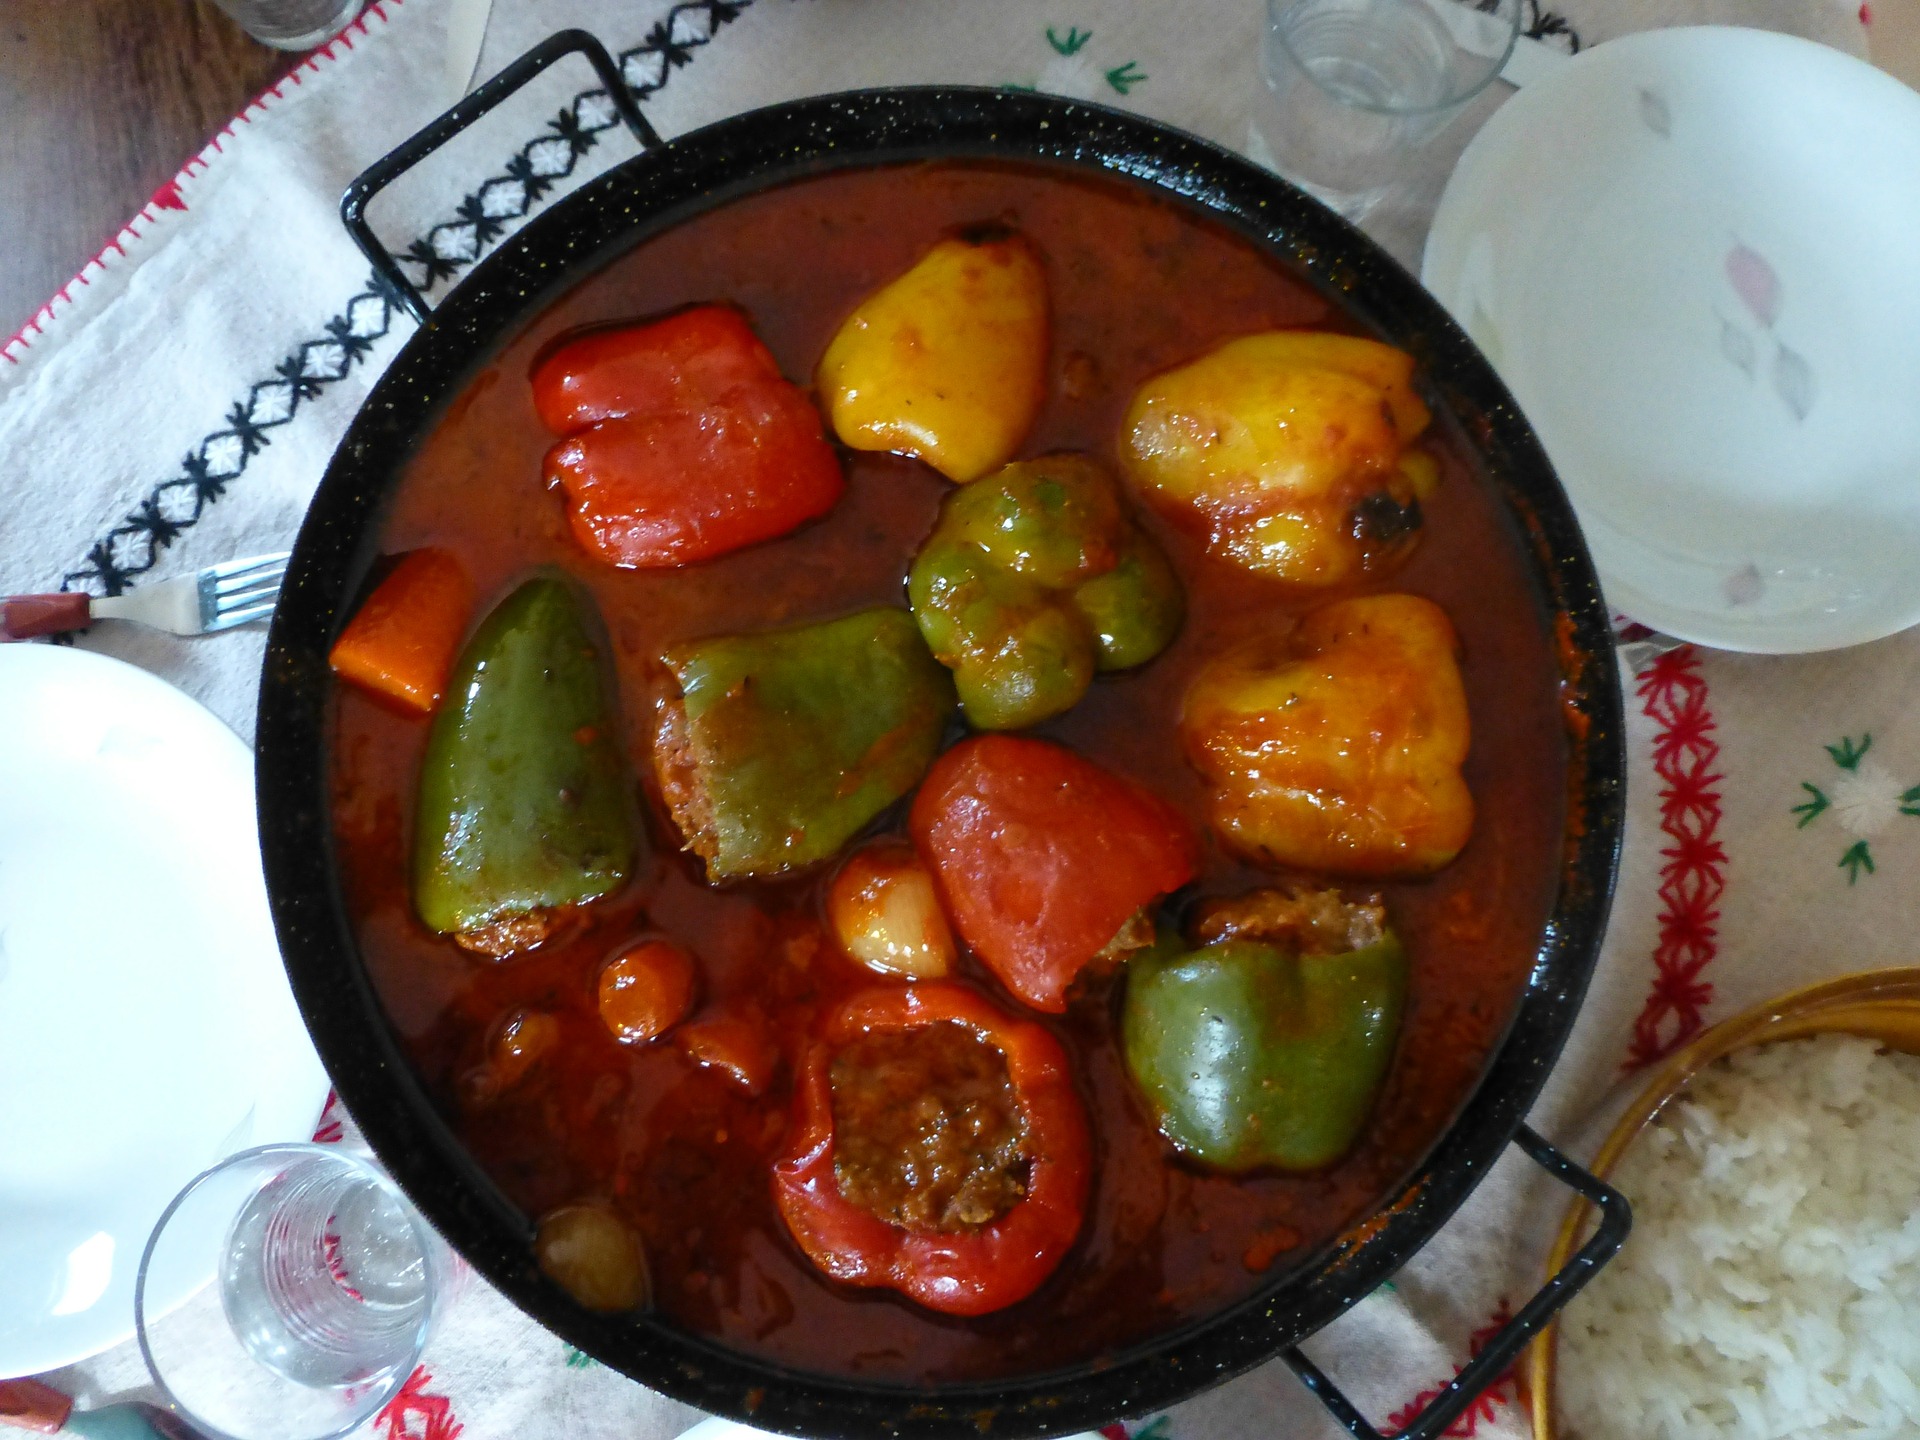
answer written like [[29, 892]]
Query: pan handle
[[390, 167], [1616, 1218]]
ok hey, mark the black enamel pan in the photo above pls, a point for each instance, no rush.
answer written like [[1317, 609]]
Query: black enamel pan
[[664, 184]]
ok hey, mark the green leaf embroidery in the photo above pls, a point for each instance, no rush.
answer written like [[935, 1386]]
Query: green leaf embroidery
[[1857, 858], [1124, 77], [1811, 809], [1072, 42], [1025, 89], [1873, 804], [579, 1359], [1156, 1431], [1845, 755]]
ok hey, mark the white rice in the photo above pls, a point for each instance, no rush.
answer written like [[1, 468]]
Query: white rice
[[1771, 1286]]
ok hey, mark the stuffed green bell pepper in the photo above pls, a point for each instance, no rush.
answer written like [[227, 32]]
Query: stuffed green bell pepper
[[1265, 1047], [524, 808], [1033, 579], [775, 749]]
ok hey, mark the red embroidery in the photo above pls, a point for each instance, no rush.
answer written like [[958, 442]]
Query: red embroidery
[[329, 1131], [1115, 1431], [1486, 1404], [433, 1412], [1673, 694], [1866, 13]]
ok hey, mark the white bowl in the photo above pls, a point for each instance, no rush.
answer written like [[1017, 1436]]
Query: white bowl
[[1694, 256], [146, 1027]]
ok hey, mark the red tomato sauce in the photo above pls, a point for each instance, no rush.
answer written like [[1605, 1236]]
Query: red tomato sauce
[[1138, 285]]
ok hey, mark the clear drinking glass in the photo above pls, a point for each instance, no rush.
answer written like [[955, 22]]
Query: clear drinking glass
[[291, 24], [1357, 87], [325, 1280]]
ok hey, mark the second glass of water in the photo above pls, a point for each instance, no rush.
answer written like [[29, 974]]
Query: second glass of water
[[1356, 87], [291, 24], [324, 1283]]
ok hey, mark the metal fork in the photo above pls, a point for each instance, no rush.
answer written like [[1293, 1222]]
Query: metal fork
[[216, 598]]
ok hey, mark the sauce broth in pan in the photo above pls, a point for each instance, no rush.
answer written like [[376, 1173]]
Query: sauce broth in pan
[[1137, 285]]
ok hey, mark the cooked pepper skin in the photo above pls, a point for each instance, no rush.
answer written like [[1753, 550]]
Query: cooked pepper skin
[[523, 802], [1338, 748], [675, 363], [1042, 857], [1288, 450], [1033, 579], [801, 736], [681, 440], [1135, 609], [959, 1272], [948, 362], [1251, 1057]]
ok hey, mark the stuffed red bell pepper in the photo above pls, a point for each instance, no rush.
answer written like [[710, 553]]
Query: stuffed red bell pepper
[[681, 440], [1045, 861], [938, 1148]]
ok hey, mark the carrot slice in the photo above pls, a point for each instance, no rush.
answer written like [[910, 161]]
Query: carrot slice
[[733, 1046], [402, 642], [645, 990]]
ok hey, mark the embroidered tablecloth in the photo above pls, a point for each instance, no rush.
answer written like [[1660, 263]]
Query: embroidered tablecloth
[[176, 404]]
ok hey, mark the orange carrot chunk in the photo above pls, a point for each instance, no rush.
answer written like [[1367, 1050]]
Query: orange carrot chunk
[[646, 990], [735, 1047], [403, 641]]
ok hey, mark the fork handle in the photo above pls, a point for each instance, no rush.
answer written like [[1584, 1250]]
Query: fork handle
[[29, 1405], [24, 616]]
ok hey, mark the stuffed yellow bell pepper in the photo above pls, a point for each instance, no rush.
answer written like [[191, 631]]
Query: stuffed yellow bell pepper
[[1338, 747], [949, 361], [1290, 451]]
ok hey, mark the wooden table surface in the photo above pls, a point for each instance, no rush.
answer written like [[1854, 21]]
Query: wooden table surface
[[102, 100], [100, 103]]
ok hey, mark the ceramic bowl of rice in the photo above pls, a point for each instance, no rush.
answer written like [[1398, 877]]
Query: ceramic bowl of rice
[[1771, 1285]]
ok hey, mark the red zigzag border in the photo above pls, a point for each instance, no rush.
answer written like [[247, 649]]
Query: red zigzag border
[[418, 1414], [1673, 694]]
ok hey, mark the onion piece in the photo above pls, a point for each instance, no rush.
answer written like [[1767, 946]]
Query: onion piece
[[594, 1256], [886, 914]]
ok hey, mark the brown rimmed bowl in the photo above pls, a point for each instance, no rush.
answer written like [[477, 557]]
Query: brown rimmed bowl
[[1882, 1005]]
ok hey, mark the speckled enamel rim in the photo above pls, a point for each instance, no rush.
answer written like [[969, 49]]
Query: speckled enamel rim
[[603, 220], [1881, 1005]]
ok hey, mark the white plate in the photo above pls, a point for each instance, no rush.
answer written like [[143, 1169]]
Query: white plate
[[146, 1028], [1691, 254]]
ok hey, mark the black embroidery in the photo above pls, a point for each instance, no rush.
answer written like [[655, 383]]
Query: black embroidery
[[175, 505], [1544, 24], [1539, 23]]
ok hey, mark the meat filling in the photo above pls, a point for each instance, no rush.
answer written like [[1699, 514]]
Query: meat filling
[[1310, 922], [927, 1132], [511, 934], [678, 772]]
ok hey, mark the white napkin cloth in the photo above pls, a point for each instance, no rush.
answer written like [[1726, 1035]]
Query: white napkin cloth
[[178, 403]]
